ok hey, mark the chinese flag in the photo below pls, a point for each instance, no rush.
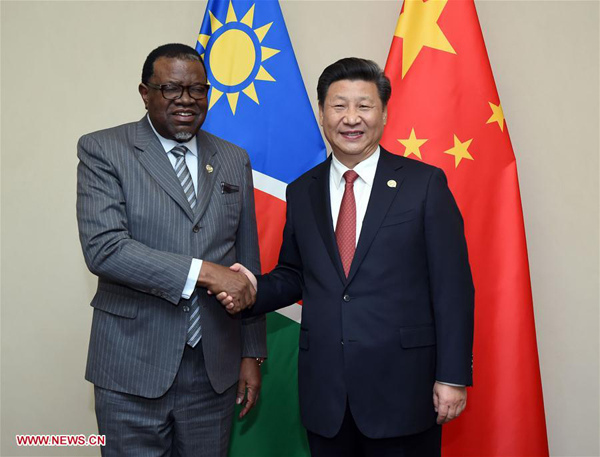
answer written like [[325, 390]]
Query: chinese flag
[[445, 111]]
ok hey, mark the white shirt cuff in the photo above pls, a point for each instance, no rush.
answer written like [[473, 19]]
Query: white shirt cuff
[[192, 279], [450, 384]]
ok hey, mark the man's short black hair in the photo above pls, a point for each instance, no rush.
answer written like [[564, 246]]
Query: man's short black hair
[[354, 69], [173, 51]]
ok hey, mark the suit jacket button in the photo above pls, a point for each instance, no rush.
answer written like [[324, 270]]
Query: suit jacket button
[[196, 229], [186, 309], [346, 298]]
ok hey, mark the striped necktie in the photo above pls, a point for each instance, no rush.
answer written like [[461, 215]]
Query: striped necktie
[[185, 178], [194, 332]]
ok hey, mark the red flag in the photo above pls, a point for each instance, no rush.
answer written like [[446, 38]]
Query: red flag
[[445, 111]]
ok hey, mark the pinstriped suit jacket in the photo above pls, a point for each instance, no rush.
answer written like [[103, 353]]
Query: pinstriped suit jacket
[[139, 236]]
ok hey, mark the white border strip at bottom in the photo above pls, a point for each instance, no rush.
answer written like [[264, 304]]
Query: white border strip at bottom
[[293, 312]]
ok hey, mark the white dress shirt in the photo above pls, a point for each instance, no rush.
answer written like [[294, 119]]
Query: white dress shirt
[[191, 161], [362, 187]]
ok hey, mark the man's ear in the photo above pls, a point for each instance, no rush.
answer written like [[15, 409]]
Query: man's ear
[[143, 90], [385, 115], [320, 115]]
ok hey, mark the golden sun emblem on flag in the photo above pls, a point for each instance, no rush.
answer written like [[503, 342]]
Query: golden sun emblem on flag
[[233, 55]]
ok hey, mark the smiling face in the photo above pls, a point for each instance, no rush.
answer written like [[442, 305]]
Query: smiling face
[[179, 119], [352, 117]]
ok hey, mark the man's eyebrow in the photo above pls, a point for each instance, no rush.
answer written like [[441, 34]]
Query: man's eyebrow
[[360, 99], [169, 81], [365, 98]]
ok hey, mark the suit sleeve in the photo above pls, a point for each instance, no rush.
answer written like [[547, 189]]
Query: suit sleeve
[[282, 286], [254, 333], [451, 283], [108, 248]]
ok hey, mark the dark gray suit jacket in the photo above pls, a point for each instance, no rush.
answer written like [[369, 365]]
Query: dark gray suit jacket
[[139, 236]]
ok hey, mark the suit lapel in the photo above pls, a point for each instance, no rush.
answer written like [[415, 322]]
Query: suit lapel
[[321, 202], [388, 169], [153, 158], [208, 170]]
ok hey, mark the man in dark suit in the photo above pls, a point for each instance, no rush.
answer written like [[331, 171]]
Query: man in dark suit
[[374, 245], [161, 206]]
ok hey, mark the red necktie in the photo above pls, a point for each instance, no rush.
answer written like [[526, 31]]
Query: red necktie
[[345, 231]]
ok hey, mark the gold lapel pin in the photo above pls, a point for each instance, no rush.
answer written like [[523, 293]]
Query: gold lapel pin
[[391, 183], [209, 168]]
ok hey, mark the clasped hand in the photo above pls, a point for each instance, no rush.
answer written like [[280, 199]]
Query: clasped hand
[[227, 297], [232, 286]]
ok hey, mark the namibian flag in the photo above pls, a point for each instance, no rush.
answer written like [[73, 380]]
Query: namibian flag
[[258, 101]]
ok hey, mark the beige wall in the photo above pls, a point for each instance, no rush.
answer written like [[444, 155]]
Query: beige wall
[[72, 67]]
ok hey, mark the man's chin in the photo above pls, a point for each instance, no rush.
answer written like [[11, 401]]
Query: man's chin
[[183, 137]]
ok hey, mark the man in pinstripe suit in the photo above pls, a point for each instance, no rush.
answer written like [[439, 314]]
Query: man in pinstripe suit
[[164, 356]]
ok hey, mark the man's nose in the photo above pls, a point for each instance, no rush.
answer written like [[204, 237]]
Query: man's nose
[[352, 117], [185, 98]]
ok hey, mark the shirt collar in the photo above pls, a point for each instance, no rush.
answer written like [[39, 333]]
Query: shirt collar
[[167, 144], [365, 169]]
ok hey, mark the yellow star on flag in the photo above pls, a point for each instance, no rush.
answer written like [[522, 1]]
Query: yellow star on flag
[[418, 27], [412, 145], [460, 151], [497, 115]]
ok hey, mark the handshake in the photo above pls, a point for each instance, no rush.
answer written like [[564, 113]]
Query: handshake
[[234, 287]]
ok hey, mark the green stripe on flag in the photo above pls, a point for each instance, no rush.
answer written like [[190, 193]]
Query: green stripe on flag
[[273, 428]]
